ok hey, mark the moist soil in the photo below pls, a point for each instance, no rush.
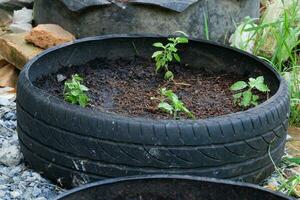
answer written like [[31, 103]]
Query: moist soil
[[125, 86]]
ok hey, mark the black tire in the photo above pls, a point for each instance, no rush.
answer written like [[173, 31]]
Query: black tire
[[73, 145]]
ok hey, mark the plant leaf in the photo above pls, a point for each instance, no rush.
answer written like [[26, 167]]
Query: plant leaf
[[159, 45], [169, 75], [176, 56], [156, 53], [166, 107], [182, 40], [247, 97], [262, 87], [239, 86]]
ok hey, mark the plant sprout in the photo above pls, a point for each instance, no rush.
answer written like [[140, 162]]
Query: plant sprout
[[246, 98], [171, 104], [167, 54], [75, 92]]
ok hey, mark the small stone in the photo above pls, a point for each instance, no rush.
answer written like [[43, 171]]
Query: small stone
[[2, 193], [10, 155], [271, 186], [15, 50], [3, 187], [15, 194], [60, 77], [48, 35], [36, 191], [10, 116], [41, 198]]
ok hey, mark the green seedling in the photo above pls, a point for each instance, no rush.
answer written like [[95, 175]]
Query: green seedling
[[245, 97], [75, 92], [171, 104], [167, 53]]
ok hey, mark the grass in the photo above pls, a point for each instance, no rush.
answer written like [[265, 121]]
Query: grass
[[288, 184], [285, 31]]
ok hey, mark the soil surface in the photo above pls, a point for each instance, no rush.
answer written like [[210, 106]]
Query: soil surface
[[125, 86]]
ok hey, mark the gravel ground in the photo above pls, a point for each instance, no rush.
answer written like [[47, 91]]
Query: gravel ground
[[16, 180]]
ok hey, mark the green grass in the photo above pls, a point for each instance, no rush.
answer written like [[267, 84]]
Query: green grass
[[285, 58]]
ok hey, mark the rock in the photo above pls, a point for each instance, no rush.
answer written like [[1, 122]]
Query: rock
[[2, 193], [9, 76], [10, 154], [60, 77], [5, 17], [21, 21], [3, 62], [293, 148], [36, 191], [48, 35], [15, 50], [271, 186], [244, 39], [10, 115], [294, 132], [15, 194], [7, 96]]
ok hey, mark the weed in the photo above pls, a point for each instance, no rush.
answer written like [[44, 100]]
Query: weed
[[75, 92], [285, 32], [167, 54], [171, 104], [287, 184], [246, 98]]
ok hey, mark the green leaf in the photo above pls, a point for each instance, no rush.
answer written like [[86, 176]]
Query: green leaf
[[239, 86], [169, 56], [262, 87], [156, 53], [176, 56], [172, 39], [83, 88], [172, 48], [182, 40], [247, 97], [295, 160], [169, 75], [237, 97], [166, 107], [159, 45], [83, 100], [255, 98]]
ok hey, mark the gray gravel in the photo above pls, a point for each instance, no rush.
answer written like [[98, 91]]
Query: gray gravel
[[17, 182]]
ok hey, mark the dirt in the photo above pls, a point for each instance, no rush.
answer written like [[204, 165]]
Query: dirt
[[125, 86]]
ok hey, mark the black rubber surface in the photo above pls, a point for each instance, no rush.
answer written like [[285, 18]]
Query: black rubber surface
[[73, 145], [169, 187]]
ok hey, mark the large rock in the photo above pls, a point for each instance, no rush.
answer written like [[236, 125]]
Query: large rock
[[48, 35], [5, 17], [8, 76], [15, 50]]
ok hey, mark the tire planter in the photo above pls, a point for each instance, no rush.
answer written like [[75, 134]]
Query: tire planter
[[163, 187], [73, 145]]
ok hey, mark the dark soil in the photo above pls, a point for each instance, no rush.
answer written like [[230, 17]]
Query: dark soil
[[125, 86]]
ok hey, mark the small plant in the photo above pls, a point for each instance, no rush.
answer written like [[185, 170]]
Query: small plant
[[171, 104], [75, 92], [245, 97], [167, 54], [287, 183]]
